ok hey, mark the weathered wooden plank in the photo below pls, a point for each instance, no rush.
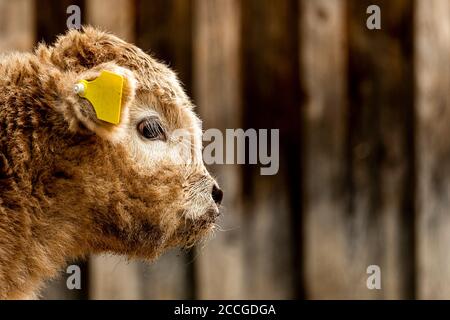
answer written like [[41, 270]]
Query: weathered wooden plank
[[114, 278], [17, 30], [220, 264], [378, 225], [51, 18], [381, 154], [323, 69], [120, 19], [164, 27], [170, 278], [432, 45], [57, 289], [272, 101], [359, 174]]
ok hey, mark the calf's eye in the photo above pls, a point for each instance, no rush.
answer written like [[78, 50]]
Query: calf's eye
[[151, 129]]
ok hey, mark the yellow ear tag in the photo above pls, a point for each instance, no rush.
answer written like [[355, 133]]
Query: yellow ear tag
[[105, 95]]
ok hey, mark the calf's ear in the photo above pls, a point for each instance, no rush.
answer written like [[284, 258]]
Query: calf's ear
[[98, 100]]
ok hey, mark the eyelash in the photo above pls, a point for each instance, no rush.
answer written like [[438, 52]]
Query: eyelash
[[152, 129]]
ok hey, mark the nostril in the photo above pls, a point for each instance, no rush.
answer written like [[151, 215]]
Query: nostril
[[217, 194]]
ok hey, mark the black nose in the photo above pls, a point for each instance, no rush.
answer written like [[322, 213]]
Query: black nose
[[217, 194]]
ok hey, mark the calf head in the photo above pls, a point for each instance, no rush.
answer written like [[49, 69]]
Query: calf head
[[137, 187]]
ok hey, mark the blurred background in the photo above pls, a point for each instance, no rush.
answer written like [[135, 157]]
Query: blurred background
[[364, 119]]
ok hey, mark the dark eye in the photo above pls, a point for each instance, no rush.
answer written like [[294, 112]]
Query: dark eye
[[152, 129]]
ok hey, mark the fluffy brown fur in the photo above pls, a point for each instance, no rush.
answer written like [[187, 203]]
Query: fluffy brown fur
[[69, 184]]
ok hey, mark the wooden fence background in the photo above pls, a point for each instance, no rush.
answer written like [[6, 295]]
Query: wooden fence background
[[364, 119]]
